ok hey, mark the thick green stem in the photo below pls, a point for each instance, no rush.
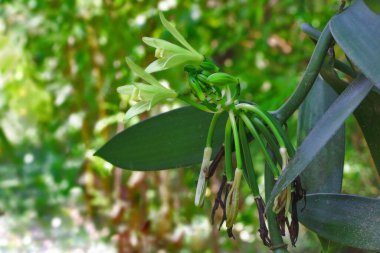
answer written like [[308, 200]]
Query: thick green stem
[[311, 73], [341, 66]]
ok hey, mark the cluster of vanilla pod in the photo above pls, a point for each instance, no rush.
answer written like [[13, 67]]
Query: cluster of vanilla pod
[[216, 92]]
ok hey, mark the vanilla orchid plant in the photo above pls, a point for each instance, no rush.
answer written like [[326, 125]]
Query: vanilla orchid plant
[[217, 92], [219, 125]]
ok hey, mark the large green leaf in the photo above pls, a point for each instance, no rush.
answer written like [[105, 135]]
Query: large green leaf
[[347, 219], [326, 127], [170, 140], [367, 114], [325, 172], [357, 31]]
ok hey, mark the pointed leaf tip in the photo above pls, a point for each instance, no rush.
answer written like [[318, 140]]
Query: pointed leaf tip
[[170, 140]]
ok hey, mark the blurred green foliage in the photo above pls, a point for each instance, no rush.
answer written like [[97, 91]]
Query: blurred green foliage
[[60, 65]]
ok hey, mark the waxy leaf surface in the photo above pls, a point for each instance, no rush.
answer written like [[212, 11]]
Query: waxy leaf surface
[[325, 128], [347, 219], [170, 140]]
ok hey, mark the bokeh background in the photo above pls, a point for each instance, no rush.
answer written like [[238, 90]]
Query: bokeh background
[[60, 65]]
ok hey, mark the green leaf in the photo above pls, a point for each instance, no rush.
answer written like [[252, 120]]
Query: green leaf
[[325, 172], [347, 219], [367, 114], [170, 140], [326, 127], [357, 31], [374, 5]]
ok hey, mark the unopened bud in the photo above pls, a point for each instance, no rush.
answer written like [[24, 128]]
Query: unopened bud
[[202, 184], [196, 88], [207, 65], [222, 79], [202, 78]]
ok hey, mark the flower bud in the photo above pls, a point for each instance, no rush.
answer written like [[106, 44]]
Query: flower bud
[[222, 79], [232, 203], [209, 66], [201, 185], [196, 88], [202, 78]]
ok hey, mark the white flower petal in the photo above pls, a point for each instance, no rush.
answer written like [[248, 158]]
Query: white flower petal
[[158, 43], [169, 62], [176, 34], [142, 74], [147, 92], [126, 89], [138, 108]]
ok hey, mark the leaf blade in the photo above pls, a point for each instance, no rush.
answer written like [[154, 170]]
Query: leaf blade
[[333, 215], [325, 172], [326, 127], [357, 31], [170, 140], [367, 114]]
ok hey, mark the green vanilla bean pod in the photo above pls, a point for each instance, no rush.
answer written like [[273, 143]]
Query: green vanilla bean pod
[[282, 201], [273, 125], [266, 118], [232, 202], [250, 177], [202, 183], [255, 134], [248, 170], [222, 79], [273, 144], [228, 152]]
